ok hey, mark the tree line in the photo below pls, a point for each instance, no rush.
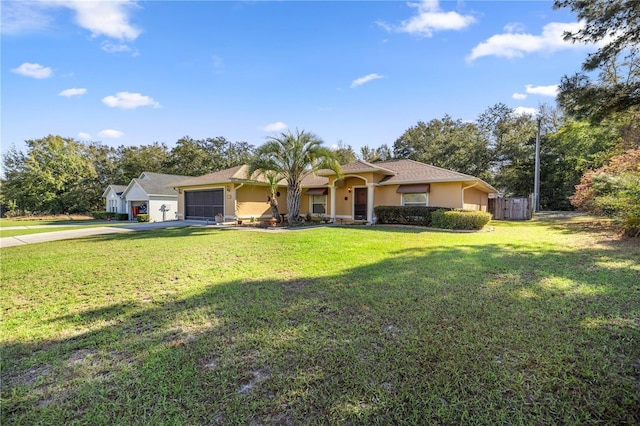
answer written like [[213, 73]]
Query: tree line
[[594, 128], [62, 175]]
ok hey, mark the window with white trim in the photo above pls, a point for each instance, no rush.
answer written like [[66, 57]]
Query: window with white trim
[[420, 199], [318, 204]]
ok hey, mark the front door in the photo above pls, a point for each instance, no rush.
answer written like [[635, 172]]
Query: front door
[[360, 204]]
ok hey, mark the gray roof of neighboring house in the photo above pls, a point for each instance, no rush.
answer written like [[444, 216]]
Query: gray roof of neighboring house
[[158, 183], [118, 189]]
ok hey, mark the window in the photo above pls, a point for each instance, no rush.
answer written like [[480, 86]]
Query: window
[[421, 199], [318, 204]]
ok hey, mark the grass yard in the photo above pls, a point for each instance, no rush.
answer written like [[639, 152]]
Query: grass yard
[[52, 228], [536, 323]]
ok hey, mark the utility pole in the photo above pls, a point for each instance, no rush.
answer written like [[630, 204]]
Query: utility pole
[[536, 178]]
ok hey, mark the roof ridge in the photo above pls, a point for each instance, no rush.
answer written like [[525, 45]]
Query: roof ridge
[[429, 165]]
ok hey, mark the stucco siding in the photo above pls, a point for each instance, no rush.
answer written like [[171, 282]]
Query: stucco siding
[[387, 196], [343, 206], [252, 202], [446, 194], [475, 200]]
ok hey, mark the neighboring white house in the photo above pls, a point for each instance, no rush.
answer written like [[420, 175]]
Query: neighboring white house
[[114, 201], [151, 193]]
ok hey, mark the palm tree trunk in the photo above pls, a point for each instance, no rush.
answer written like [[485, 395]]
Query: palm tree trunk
[[274, 210], [294, 195]]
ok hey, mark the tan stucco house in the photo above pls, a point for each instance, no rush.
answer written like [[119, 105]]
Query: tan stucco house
[[362, 186]]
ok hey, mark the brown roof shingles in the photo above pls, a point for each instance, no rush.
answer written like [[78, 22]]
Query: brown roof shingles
[[414, 171], [395, 171]]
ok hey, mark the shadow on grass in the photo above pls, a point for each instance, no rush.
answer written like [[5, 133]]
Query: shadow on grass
[[497, 334]]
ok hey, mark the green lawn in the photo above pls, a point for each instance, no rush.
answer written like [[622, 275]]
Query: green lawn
[[6, 222], [535, 323], [52, 228], [68, 226]]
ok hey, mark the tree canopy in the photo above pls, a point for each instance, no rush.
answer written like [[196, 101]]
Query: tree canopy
[[51, 176], [61, 175], [448, 143], [613, 24]]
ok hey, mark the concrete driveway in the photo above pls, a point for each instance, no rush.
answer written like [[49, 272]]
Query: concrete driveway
[[89, 231]]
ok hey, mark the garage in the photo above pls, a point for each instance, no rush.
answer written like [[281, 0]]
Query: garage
[[204, 204]]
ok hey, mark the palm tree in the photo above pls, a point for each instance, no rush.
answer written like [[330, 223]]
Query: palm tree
[[292, 157], [273, 180]]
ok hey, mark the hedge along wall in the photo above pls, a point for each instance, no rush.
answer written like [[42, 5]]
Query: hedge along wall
[[460, 219], [436, 217], [406, 215]]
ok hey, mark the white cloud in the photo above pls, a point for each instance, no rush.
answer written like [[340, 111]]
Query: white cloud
[[362, 80], [514, 27], [517, 44], [110, 133], [105, 18], [33, 70], [84, 136], [126, 100], [73, 92], [102, 18], [22, 17], [109, 47], [519, 96], [525, 111], [275, 127], [430, 18], [543, 90]]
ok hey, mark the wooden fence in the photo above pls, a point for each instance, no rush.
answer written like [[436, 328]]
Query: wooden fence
[[514, 208]]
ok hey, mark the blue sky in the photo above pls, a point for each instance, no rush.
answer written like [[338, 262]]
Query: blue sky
[[134, 73]]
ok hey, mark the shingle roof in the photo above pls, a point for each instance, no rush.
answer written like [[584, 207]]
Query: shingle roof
[[360, 166], [411, 171], [395, 172], [158, 183], [239, 174], [314, 180], [118, 189]]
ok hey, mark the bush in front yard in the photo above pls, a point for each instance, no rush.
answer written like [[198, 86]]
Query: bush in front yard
[[143, 217], [105, 215], [406, 215], [460, 219], [102, 215]]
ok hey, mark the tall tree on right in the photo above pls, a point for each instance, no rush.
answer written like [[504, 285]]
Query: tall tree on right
[[613, 24]]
